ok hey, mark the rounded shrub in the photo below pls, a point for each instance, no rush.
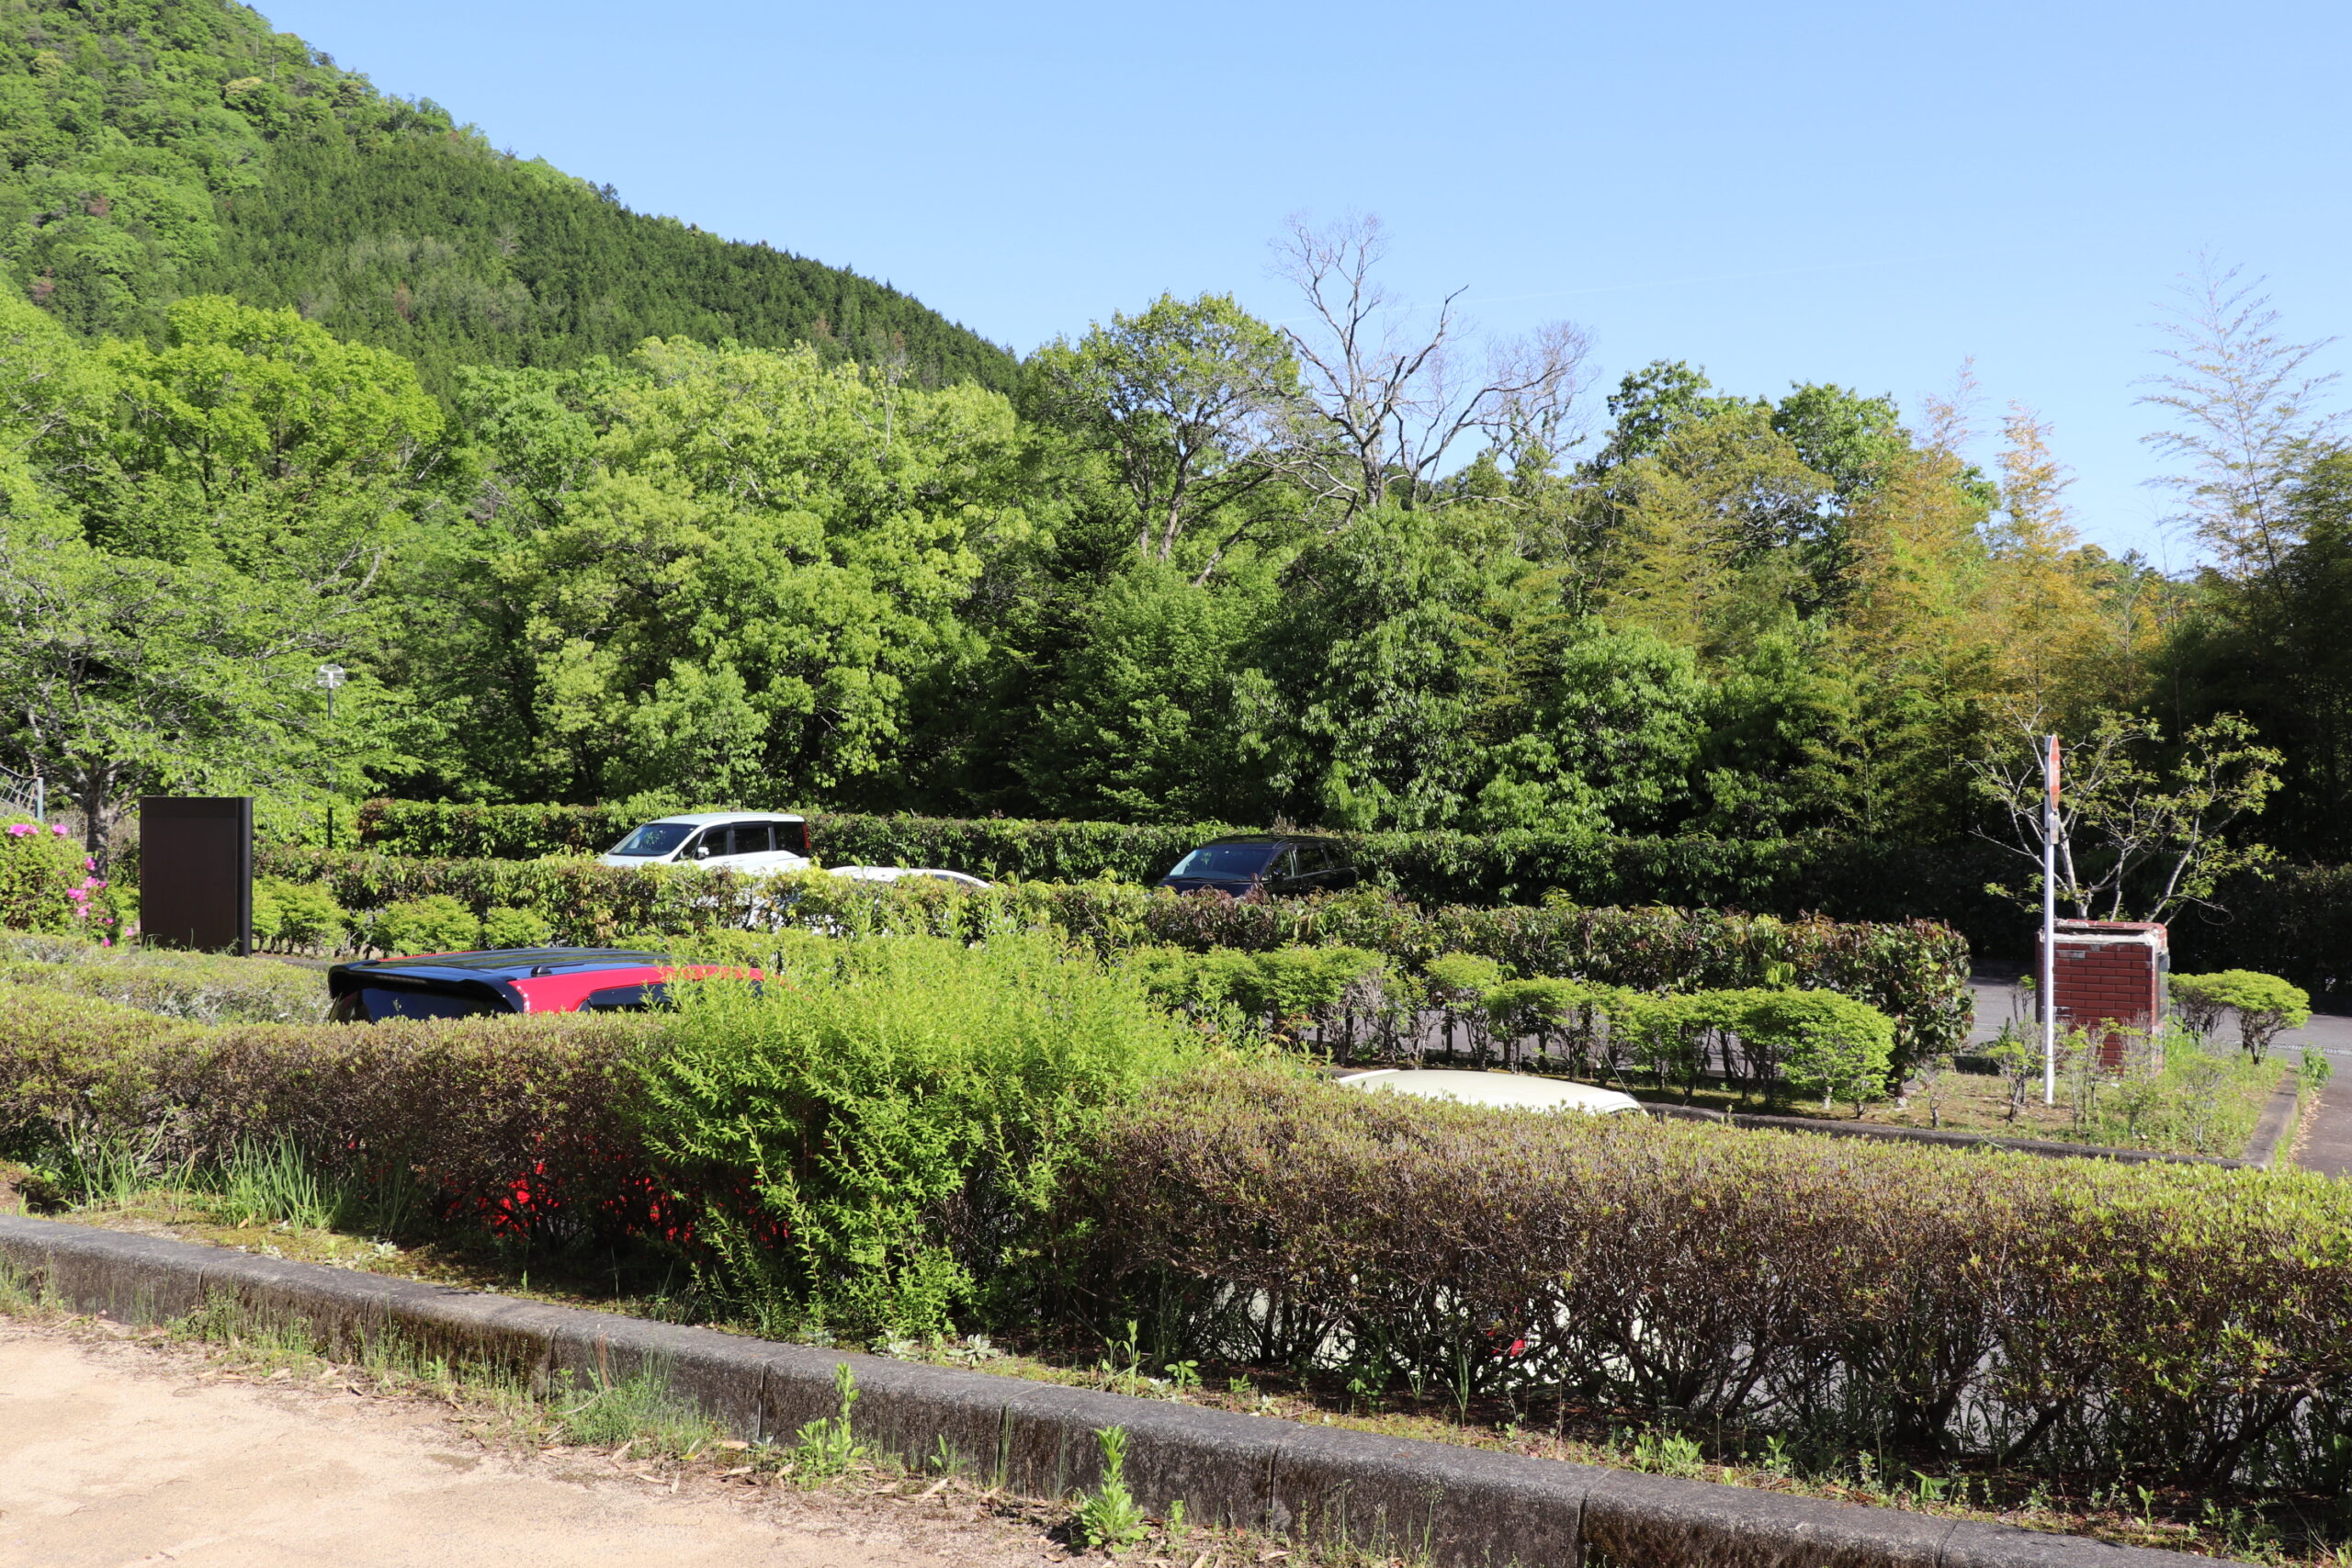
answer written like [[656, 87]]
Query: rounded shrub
[[437, 923], [2266, 1006], [504, 926], [302, 914]]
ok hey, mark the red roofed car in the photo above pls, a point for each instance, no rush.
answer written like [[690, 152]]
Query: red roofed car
[[511, 980]]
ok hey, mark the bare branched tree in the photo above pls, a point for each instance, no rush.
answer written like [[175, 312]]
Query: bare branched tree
[[1389, 401], [2247, 419], [2133, 844]]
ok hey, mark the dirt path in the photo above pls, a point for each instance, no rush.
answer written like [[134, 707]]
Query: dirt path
[[116, 1453]]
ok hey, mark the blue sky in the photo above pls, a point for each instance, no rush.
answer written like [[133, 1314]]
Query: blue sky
[[1862, 193]]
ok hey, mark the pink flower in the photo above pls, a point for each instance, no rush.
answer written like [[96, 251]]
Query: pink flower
[[58, 829], [19, 829], [89, 862]]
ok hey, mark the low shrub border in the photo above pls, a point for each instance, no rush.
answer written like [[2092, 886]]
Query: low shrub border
[[1917, 973], [1961, 1305], [1843, 878], [1444, 1504], [2295, 920]]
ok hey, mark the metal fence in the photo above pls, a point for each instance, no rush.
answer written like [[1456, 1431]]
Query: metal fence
[[19, 791]]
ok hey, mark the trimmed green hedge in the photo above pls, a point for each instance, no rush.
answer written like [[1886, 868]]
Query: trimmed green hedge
[[2296, 922], [1841, 878], [519, 1124], [203, 987], [2160, 1321], [1914, 971]]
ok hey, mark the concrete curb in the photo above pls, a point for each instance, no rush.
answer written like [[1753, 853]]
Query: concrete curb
[[2277, 1117], [2045, 1148], [1456, 1508]]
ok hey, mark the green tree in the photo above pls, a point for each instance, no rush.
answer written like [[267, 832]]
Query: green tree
[[2140, 834], [724, 569], [1189, 400]]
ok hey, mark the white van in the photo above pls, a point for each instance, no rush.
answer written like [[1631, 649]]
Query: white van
[[756, 842]]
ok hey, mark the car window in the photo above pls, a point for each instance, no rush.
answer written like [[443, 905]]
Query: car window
[[1285, 863], [753, 838], [793, 836], [1224, 860], [712, 842], [654, 839], [626, 999], [1313, 855], [381, 1002]]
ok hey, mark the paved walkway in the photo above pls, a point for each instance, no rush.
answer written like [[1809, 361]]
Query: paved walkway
[[117, 1453]]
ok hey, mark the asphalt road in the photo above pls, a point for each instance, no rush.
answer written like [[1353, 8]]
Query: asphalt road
[[1997, 999]]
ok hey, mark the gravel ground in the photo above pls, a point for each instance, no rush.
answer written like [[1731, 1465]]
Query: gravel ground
[[116, 1452]]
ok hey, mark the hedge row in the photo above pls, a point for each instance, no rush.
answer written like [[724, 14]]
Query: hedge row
[[1915, 972], [2142, 1320], [1839, 877], [205, 988], [521, 1124], [2296, 922], [1924, 1306]]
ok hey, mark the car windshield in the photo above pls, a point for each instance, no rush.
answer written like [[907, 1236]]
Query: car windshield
[[1225, 860], [654, 839]]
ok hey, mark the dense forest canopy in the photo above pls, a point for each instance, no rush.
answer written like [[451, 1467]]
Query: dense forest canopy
[[595, 507], [156, 149]]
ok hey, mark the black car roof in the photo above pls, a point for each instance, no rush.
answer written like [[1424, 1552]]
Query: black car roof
[[507, 963]]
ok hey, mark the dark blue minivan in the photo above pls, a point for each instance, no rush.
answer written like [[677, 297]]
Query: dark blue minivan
[[1277, 865]]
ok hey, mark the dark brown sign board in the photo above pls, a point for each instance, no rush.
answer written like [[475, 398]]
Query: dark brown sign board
[[196, 873]]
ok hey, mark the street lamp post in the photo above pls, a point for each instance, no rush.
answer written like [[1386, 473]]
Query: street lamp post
[[330, 679]]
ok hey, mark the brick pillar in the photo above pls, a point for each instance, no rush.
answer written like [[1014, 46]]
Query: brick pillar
[[2111, 973]]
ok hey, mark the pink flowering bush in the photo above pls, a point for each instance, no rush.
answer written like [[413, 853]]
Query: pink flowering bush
[[47, 884]]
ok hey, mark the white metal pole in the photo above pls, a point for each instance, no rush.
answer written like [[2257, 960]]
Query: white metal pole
[[2049, 921]]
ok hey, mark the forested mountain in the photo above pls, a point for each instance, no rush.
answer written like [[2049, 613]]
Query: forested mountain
[[156, 149]]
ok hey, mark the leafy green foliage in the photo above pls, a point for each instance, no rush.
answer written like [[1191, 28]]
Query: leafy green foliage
[[47, 884], [435, 923], [203, 987], [895, 1125], [1824, 1041], [729, 566], [2266, 1005], [506, 927], [201, 523], [1914, 971], [640, 1410], [295, 914], [826, 1447], [1107, 1514], [1843, 1293], [519, 1126], [1821, 873]]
